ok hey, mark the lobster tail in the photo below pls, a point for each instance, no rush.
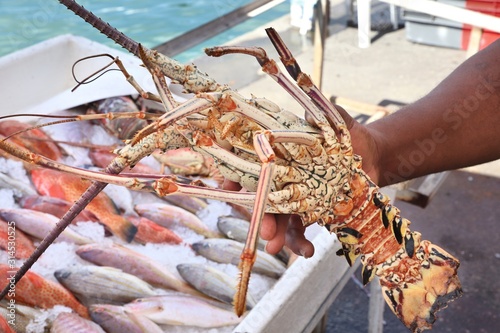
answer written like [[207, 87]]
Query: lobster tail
[[417, 277], [416, 287]]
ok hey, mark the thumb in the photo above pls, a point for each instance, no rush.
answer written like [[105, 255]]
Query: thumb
[[343, 113], [350, 121]]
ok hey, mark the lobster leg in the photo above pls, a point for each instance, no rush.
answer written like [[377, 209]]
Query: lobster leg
[[270, 67], [316, 106], [303, 80], [266, 154], [305, 83]]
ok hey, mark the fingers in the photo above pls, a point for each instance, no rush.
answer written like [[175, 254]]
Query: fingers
[[280, 230], [346, 116], [296, 240], [268, 230], [289, 231], [276, 240], [350, 121]]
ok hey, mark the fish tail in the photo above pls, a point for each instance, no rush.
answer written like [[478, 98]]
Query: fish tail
[[121, 227], [128, 232]]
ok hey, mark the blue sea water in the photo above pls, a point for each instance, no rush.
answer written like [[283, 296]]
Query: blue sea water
[[151, 22]]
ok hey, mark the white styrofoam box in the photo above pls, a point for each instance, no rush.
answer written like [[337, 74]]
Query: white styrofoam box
[[39, 79], [297, 302]]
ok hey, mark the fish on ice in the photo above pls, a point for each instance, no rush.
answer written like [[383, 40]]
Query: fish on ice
[[68, 322], [212, 282], [168, 215], [150, 232], [34, 290], [70, 187], [39, 225], [55, 206], [98, 284], [228, 251], [184, 310], [115, 319], [14, 241], [134, 263]]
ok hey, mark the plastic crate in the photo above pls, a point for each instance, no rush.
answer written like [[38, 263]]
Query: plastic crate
[[485, 7], [431, 30]]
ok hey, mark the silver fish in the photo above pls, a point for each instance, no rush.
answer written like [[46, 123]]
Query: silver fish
[[134, 263], [237, 229], [212, 282], [144, 323], [115, 319], [93, 284], [191, 204], [228, 251], [70, 322], [178, 309], [168, 215], [39, 225]]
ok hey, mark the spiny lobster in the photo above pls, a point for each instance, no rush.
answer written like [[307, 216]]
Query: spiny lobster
[[288, 166]]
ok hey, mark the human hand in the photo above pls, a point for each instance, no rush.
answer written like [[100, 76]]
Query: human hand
[[280, 230], [364, 144], [285, 230]]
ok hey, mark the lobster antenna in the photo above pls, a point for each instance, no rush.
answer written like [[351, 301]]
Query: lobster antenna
[[39, 126], [97, 74], [105, 28]]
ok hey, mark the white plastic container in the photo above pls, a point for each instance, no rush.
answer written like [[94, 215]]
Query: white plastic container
[[39, 79]]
